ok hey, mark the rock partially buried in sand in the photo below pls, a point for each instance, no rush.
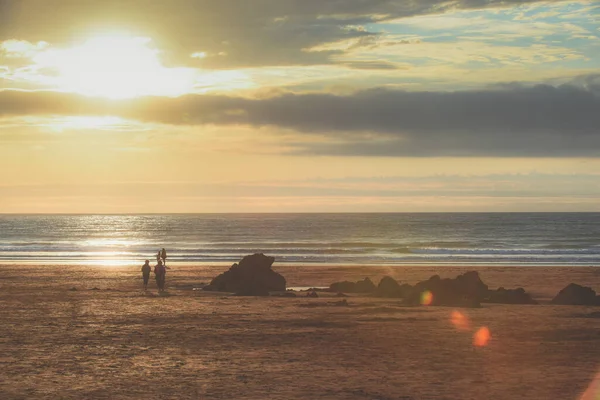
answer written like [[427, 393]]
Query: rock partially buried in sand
[[466, 290], [389, 287], [576, 295], [364, 286], [253, 276], [509, 296]]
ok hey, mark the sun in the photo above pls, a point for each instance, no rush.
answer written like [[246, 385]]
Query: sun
[[117, 67]]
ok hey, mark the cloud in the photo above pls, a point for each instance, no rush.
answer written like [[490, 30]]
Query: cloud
[[373, 65], [494, 185], [507, 120], [235, 33]]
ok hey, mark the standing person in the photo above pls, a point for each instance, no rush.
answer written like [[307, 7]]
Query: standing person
[[158, 257], [163, 255], [146, 273], [159, 274]]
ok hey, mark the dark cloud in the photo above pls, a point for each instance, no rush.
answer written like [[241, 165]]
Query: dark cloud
[[233, 33], [373, 65], [542, 120]]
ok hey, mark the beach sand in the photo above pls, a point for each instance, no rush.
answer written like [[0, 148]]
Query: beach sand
[[77, 332]]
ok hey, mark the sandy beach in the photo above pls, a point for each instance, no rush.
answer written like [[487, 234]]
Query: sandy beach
[[82, 332]]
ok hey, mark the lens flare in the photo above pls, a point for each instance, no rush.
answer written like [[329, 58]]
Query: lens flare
[[426, 298], [481, 337], [593, 391], [460, 321]]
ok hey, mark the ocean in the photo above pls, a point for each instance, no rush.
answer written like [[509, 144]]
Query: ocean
[[366, 239]]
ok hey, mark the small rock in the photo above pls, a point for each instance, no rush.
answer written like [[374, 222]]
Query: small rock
[[509, 296], [364, 286], [574, 294]]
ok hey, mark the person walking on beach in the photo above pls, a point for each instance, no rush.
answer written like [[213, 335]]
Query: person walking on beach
[[159, 273], [158, 257], [146, 273], [163, 255]]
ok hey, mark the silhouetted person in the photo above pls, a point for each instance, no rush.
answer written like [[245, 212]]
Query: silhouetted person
[[163, 255], [146, 273], [160, 272], [158, 257]]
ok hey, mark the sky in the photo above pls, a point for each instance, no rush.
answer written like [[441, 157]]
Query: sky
[[147, 106]]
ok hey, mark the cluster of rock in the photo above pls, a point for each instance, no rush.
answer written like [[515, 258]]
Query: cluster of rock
[[576, 295], [364, 286], [252, 276], [466, 290], [509, 296]]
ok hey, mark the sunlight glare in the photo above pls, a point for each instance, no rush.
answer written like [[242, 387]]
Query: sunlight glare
[[116, 67], [78, 122], [593, 390], [110, 242]]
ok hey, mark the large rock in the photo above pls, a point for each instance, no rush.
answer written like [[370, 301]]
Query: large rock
[[253, 276], [575, 294], [389, 287], [471, 284], [466, 290], [509, 296], [364, 286]]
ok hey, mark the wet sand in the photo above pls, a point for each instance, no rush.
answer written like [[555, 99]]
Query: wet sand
[[107, 339]]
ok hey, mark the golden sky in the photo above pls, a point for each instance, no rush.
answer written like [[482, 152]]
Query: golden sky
[[299, 106]]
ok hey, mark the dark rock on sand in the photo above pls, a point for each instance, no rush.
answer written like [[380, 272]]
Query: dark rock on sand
[[252, 291], [509, 296], [575, 294], [253, 276], [343, 287], [312, 294], [364, 286], [471, 283], [466, 290], [389, 287]]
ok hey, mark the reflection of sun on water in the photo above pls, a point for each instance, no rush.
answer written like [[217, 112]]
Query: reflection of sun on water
[[110, 242]]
